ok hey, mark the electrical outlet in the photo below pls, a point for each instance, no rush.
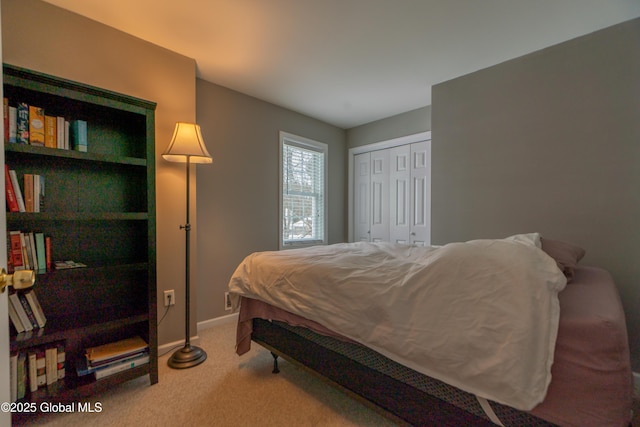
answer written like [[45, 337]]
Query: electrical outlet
[[169, 298], [227, 301]]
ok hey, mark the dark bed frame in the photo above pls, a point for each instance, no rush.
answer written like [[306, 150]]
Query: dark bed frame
[[396, 399]]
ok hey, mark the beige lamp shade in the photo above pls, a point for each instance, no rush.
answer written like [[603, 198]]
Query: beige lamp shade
[[187, 144]]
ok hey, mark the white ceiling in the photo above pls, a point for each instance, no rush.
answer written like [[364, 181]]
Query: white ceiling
[[350, 62]]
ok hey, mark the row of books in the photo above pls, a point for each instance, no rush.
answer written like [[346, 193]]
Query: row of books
[[29, 251], [28, 124], [36, 368], [25, 311], [109, 359], [32, 199]]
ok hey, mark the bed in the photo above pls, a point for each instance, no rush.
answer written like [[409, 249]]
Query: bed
[[552, 352]]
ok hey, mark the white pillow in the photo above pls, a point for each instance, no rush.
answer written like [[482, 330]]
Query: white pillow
[[532, 239]]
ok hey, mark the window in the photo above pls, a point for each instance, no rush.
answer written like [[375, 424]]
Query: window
[[303, 182]]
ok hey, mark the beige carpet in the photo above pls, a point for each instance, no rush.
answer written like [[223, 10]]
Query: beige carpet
[[226, 390]]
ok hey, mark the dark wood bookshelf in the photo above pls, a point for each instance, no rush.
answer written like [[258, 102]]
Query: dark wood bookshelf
[[99, 210]]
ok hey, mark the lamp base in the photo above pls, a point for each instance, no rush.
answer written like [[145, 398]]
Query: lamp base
[[187, 357]]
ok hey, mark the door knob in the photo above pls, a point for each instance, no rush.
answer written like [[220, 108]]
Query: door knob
[[20, 279]]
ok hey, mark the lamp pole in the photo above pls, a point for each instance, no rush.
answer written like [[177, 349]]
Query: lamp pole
[[187, 356]]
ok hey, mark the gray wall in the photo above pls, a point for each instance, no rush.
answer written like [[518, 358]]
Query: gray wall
[[93, 53], [408, 123], [238, 194], [548, 142]]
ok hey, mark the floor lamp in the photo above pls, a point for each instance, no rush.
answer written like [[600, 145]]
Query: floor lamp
[[187, 146]]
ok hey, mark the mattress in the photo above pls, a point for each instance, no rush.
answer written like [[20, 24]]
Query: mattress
[[460, 312], [591, 374]]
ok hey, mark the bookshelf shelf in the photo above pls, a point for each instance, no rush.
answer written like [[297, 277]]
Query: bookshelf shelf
[[74, 155], [77, 325], [98, 209], [77, 216], [75, 388]]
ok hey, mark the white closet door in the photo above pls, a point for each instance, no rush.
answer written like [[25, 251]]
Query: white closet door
[[392, 192], [400, 194], [361, 192], [421, 193], [380, 196]]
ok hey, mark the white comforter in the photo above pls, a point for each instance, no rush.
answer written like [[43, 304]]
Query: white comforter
[[480, 315]]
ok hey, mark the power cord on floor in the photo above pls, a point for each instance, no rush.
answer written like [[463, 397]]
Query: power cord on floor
[[166, 310], [171, 349]]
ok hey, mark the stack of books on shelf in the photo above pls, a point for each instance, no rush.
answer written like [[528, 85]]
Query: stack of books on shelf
[[32, 199], [109, 359], [25, 311], [29, 124], [36, 367], [28, 251]]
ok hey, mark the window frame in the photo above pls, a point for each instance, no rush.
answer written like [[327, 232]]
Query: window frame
[[288, 139]]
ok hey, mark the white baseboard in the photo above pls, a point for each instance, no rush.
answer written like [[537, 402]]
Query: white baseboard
[[165, 348], [205, 324]]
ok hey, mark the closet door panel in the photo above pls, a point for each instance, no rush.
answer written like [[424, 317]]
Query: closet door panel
[[420, 193], [400, 196], [380, 196], [361, 191]]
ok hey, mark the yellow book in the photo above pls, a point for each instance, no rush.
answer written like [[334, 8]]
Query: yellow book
[[36, 125], [51, 132], [116, 349], [28, 192]]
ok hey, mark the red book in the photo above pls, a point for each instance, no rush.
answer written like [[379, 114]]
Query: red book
[[12, 202], [47, 245], [16, 250]]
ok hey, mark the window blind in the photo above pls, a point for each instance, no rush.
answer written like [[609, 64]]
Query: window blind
[[303, 193]]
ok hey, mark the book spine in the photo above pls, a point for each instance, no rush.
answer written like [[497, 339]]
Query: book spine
[[36, 193], [33, 372], [15, 319], [17, 191], [36, 126], [36, 308], [13, 374], [28, 310], [51, 361], [41, 252], [16, 250], [51, 132], [17, 306], [60, 132], [34, 253], [62, 360], [22, 123], [12, 202], [41, 193], [120, 367], [42, 367], [47, 246], [10, 268], [116, 350], [5, 111], [25, 254], [66, 135], [28, 192], [13, 125], [79, 135], [21, 376]]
